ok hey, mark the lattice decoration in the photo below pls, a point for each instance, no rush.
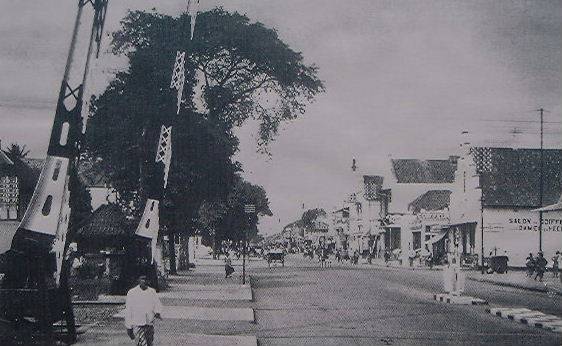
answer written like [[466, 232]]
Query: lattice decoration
[[164, 152], [178, 76], [192, 10], [482, 159]]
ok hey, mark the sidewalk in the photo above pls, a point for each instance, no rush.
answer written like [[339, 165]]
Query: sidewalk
[[196, 307], [519, 279]]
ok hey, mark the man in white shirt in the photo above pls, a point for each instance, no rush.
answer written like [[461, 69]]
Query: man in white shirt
[[142, 307]]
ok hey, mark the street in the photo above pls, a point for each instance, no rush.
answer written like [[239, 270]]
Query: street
[[302, 304]]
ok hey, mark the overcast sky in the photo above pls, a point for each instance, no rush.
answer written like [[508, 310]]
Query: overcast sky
[[403, 79]]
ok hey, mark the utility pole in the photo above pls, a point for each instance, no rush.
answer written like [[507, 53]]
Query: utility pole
[[249, 209], [541, 179], [482, 232]]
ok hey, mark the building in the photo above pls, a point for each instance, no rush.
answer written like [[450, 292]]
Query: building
[[339, 228], [18, 177], [9, 191], [417, 203], [357, 226], [493, 203], [431, 222], [97, 183]]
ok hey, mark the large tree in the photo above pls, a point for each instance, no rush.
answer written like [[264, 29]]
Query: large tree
[[242, 69]]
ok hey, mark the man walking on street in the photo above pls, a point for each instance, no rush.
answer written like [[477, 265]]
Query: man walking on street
[[142, 307], [540, 268], [228, 268]]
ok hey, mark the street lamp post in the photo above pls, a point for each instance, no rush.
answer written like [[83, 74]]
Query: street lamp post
[[249, 209]]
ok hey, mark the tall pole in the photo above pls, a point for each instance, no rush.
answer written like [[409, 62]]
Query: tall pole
[[244, 255], [482, 233], [541, 179], [249, 209]]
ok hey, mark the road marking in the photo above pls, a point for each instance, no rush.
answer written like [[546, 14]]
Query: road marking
[[460, 300], [532, 318]]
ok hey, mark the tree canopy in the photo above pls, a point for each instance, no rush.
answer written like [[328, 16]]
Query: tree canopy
[[243, 68], [239, 69]]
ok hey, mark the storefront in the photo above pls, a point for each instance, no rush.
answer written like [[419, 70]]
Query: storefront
[[494, 201]]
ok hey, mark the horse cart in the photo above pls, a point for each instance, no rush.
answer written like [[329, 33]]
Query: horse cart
[[275, 257]]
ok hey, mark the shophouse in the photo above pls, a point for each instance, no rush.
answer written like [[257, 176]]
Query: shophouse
[[431, 222], [365, 208], [339, 228], [493, 203], [410, 182]]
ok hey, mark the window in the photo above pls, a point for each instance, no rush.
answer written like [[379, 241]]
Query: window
[[64, 134], [47, 206]]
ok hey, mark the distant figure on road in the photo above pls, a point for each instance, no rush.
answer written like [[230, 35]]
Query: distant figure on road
[[530, 264], [338, 256], [355, 258], [386, 257], [142, 307], [540, 266], [228, 269], [555, 264], [322, 256]]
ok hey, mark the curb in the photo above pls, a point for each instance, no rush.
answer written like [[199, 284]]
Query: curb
[[529, 317], [514, 285], [460, 300]]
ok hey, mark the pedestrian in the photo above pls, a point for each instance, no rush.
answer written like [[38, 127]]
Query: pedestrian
[[228, 268], [338, 256], [386, 257], [540, 266], [323, 256], [555, 264], [355, 257], [142, 307], [530, 264], [429, 260]]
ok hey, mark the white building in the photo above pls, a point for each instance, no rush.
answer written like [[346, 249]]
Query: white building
[[410, 182], [495, 194], [364, 210]]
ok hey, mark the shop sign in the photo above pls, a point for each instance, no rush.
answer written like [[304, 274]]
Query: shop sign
[[549, 224], [436, 216]]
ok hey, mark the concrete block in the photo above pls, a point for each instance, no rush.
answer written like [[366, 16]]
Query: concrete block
[[461, 300], [511, 312], [520, 317], [532, 321]]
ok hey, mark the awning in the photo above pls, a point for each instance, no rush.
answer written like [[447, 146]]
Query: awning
[[437, 237], [553, 207]]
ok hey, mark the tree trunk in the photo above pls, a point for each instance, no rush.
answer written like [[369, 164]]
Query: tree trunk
[[172, 253]]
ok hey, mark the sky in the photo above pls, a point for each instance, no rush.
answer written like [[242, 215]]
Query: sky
[[403, 79]]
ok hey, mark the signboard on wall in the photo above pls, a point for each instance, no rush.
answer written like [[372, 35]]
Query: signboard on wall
[[521, 221]]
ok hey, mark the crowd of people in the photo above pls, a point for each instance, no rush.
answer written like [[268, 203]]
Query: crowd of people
[[537, 266]]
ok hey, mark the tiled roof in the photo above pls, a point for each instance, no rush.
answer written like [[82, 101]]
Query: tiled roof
[[511, 177], [105, 222], [373, 185], [92, 175], [412, 171], [431, 200]]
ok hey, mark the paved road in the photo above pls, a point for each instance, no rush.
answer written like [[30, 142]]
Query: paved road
[[303, 304]]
